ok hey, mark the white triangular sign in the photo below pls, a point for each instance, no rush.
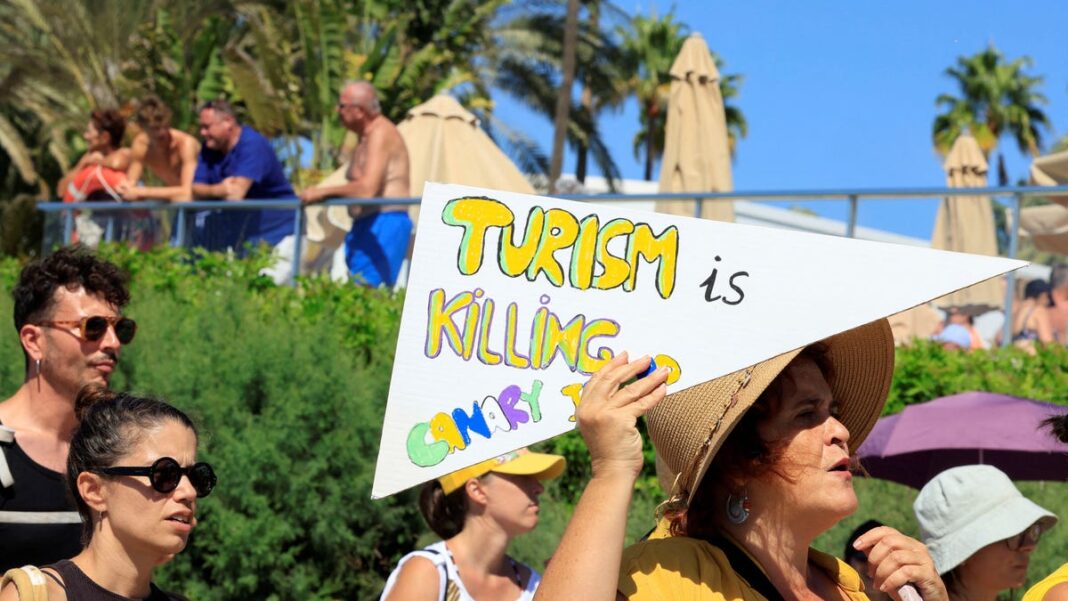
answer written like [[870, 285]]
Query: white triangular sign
[[513, 300]]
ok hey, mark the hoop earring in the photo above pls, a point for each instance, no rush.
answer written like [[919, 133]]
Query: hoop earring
[[37, 366], [738, 508]]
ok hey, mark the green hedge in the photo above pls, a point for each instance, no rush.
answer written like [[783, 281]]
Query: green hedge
[[289, 385]]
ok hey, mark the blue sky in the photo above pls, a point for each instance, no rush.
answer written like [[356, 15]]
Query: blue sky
[[841, 94]]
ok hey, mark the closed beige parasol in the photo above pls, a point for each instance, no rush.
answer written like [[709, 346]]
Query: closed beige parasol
[[696, 153], [966, 223]]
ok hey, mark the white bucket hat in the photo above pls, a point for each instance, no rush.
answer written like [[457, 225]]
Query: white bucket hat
[[964, 509]]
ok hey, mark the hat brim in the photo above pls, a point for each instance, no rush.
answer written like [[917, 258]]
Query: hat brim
[[1004, 521], [681, 426], [542, 466]]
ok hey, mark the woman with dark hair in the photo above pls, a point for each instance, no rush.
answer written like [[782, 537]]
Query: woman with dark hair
[[1031, 316], [133, 473], [99, 174], [477, 511], [760, 464]]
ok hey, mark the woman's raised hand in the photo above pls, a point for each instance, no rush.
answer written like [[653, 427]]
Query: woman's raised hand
[[895, 560], [607, 413]]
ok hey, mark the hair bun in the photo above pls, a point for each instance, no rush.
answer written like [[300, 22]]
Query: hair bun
[[89, 395]]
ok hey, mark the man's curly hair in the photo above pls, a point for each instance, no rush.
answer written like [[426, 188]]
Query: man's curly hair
[[72, 267]]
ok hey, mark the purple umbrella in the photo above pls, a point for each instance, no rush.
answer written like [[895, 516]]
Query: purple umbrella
[[913, 446]]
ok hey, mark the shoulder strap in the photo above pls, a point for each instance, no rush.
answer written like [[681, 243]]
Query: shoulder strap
[[441, 560], [29, 582], [744, 566], [7, 437]]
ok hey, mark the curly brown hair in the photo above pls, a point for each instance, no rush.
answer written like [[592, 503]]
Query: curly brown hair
[[744, 455], [111, 122], [72, 267]]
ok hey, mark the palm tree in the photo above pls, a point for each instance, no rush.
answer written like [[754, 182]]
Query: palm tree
[[996, 98], [651, 45]]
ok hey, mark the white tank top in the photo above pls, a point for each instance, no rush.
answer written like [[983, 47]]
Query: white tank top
[[440, 556]]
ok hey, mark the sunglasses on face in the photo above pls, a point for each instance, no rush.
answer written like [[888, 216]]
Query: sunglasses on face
[[165, 474], [1029, 537], [94, 327]]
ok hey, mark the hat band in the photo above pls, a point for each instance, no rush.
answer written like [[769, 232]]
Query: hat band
[[680, 499]]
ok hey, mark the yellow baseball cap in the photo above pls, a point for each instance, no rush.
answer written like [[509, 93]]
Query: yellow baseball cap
[[519, 463]]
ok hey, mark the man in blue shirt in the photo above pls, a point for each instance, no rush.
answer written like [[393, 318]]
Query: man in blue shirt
[[235, 163]]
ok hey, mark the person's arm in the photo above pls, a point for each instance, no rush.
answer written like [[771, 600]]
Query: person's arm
[[137, 160], [418, 580], [181, 193], [1044, 326], [895, 560], [365, 181], [586, 564]]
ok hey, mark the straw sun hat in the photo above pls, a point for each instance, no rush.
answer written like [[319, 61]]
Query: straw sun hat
[[688, 427]]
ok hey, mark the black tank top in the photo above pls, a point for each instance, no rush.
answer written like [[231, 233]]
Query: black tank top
[[35, 489], [81, 588]]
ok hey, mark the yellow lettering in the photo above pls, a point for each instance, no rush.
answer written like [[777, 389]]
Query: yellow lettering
[[615, 269], [559, 231], [662, 249], [475, 216], [440, 321], [514, 259], [588, 363]]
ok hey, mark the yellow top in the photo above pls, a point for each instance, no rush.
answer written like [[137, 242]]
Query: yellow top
[[1038, 591], [682, 569]]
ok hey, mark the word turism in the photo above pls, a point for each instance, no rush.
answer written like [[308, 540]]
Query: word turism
[[591, 265]]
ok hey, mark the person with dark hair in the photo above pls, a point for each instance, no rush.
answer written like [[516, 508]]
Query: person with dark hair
[[761, 466], [99, 173], [1031, 319], [1055, 586], [1058, 292], [980, 530], [477, 511], [69, 322], [169, 154], [133, 473], [859, 561], [237, 162]]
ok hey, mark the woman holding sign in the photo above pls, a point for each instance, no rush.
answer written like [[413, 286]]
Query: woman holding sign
[[477, 511], [761, 459]]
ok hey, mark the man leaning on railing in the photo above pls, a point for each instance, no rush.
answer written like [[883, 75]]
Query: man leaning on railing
[[236, 163]]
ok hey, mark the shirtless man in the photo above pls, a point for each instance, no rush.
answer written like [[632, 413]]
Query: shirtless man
[[68, 316], [378, 241], [170, 154]]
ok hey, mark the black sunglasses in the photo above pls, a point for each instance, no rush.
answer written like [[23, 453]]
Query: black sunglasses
[[94, 327], [166, 473]]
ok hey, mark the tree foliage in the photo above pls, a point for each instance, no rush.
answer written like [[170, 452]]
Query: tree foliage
[[995, 97]]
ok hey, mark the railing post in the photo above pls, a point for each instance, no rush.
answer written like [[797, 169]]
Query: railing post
[[1010, 281], [109, 230], [851, 225], [179, 224], [698, 203], [298, 232], [68, 226]]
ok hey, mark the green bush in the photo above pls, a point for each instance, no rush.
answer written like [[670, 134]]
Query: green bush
[[288, 386]]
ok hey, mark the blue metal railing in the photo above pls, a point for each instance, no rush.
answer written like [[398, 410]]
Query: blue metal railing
[[1015, 196]]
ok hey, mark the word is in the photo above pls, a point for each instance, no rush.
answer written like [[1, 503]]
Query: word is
[[548, 231], [710, 283], [549, 335], [431, 441]]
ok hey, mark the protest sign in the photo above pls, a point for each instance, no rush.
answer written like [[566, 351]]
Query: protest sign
[[514, 300]]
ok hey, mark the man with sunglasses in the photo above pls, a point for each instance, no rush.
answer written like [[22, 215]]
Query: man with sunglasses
[[67, 316], [237, 162], [378, 168]]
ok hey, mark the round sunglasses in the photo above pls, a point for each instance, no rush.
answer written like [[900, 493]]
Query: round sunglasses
[[165, 473], [94, 327]]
